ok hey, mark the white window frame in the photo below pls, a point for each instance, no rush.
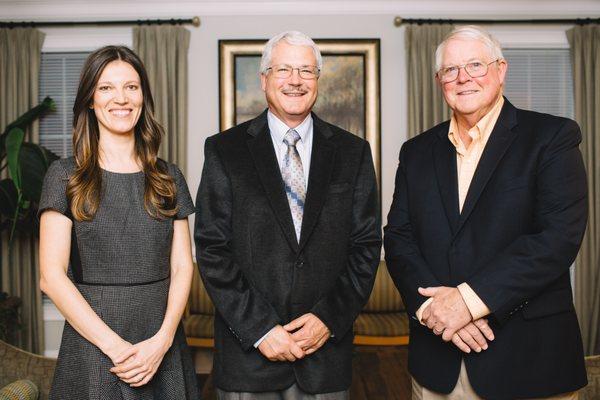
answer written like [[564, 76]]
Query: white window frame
[[531, 37], [85, 38]]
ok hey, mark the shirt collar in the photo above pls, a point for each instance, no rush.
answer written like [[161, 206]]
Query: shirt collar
[[278, 128], [481, 130]]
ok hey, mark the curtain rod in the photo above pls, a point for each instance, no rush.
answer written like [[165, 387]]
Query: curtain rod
[[18, 24], [398, 21]]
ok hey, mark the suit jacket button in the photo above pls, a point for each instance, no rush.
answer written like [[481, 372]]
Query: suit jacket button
[[299, 264]]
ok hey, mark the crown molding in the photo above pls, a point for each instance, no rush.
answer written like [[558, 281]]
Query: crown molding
[[47, 10]]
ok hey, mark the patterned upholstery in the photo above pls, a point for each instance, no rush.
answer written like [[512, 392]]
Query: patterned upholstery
[[17, 364], [381, 324], [200, 303], [592, 390], [199, 321], [20, 390], [385, 296], [383, 314], [199, 326]]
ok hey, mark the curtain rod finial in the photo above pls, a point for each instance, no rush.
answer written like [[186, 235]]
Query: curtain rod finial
[[196, 21], [397, 21]]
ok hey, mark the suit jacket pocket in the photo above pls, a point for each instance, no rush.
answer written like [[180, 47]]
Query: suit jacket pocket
[[548, 303], [339, 187]]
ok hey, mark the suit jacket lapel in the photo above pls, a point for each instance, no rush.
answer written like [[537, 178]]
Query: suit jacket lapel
[[263, 154], [321, 165], [444, 156], [500, 139]]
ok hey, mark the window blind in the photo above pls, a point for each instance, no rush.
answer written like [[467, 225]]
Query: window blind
[[540, 80], [59, 78]]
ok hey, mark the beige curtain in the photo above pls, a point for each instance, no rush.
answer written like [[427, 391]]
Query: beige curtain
[[164, 51], [426, 106], [20, 56], [585, 57]]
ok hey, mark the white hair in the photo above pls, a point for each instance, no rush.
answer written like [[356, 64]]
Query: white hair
[[473, 32], [291, 37]]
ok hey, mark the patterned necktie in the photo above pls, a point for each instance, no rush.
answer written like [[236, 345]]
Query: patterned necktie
[[293, 178]]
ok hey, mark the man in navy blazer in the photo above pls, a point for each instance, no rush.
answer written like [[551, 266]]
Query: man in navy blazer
[[488, 214]]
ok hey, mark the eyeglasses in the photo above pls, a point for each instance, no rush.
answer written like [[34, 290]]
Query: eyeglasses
[[475, 69], [285, 71]]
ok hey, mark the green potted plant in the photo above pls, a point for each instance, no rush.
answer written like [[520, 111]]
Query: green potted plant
[[20, 192], [27, 164]]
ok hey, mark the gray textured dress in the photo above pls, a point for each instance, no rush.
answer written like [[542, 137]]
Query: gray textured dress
[[120, 264]]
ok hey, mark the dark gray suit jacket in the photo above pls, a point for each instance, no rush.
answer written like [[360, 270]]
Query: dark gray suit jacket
[[257, 273]]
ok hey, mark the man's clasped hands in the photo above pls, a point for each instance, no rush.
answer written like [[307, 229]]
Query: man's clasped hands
[[447, 315]]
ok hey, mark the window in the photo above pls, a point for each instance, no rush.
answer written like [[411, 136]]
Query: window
[[59, 77], [540, 80]]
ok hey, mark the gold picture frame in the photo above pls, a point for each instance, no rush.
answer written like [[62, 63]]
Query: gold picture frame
[[349, 86]]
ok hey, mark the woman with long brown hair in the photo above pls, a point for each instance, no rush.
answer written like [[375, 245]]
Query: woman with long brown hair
[[115, 252]]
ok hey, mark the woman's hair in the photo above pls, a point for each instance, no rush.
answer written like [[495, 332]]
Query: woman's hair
[[84, 189]]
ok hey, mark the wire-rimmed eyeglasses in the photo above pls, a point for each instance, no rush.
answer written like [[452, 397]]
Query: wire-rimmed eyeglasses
[[285, 71], [475, 69]]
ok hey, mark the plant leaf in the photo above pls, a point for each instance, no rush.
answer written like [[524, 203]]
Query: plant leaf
[[49, 156], [27, 164], [14, 140], [28, 117], [8, 198], [33, 164]]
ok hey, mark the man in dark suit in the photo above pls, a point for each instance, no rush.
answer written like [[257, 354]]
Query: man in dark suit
[[288, 238], [488, 214]]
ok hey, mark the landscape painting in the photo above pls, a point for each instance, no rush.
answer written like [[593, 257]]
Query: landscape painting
[[349, 86]]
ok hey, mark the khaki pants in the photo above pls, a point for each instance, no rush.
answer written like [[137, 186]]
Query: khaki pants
[[464, 391]]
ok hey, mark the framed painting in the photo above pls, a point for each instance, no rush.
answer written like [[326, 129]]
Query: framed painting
[[349, 86]]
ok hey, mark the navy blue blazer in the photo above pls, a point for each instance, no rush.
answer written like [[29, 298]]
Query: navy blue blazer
[[519, 232]]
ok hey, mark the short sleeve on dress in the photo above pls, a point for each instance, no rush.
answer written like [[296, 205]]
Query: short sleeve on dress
[[54, 190], [184, 200]]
